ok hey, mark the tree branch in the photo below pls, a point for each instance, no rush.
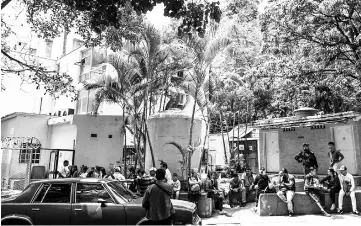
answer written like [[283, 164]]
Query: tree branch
[[5, 3]]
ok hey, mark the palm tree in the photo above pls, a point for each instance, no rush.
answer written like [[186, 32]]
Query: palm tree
[[202, 51]]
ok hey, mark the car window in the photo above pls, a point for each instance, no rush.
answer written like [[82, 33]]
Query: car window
[[121, 191], [57, 193], [91, 193], [44, 188]]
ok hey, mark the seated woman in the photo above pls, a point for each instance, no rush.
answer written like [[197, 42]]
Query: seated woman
[[194, 187], [211, 187], [234, 190], [332, 183]]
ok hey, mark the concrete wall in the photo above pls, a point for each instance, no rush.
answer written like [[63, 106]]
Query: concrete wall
[[290, 143], [172, 126], [24, 126], [100, 150]]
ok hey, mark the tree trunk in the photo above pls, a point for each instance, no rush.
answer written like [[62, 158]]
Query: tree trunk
[[204, 144], [224, 144], [229, 147], [150, 145], [238, 149], [160, 102], [191, 130], [234, 124], [125, 145]]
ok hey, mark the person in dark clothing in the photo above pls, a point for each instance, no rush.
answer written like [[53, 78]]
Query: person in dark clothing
[[234, 190], [312, 188], [157, 201], [307, 158], [211, 187], [335, 156], [332, 183], [143, 182], [260, 183]]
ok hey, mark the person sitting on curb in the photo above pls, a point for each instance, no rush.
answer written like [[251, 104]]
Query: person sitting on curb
[[347, 188], [234, 190], [332, 184], [287, 189], [261, 183], [312, 188], [157, 201], [247, 185]]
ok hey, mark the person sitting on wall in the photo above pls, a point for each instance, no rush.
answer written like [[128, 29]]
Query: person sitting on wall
[[307, 158], [260, 184], [194, 187], [143, 182], [312, 188], [73, 171], [176, 184], [117, 174], [213, 191], [64, 170], [347, 184], [168, 175], [83, 171], [287, 188], [332, 184], [234, 190], [247, 185]]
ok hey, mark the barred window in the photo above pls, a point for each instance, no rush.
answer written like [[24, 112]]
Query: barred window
[[24, 155]]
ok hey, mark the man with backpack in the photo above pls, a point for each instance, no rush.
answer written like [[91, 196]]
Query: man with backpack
[[157, 201]]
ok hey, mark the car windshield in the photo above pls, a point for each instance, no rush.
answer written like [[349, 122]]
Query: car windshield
[[121, 191]]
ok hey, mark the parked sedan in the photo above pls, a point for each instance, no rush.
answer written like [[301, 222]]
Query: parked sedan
[[84, 201]]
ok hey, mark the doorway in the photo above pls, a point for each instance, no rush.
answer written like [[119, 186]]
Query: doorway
[[344, 141], [57, 157], [272, 152]]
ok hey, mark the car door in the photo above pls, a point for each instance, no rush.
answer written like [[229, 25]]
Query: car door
[[87, 211], [51, 205]]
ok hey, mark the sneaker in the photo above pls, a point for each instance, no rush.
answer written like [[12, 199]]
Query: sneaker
[[290, 214], [243, 204], [340, 211], [356, 212], [326, 214], [333, 207]]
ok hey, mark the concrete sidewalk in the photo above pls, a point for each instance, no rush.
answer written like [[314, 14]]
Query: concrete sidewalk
[[247, 216]]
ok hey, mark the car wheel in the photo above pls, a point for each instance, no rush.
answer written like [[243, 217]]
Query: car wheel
[[14, 222]]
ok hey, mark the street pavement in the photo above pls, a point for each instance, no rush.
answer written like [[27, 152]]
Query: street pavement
[[246, 216]]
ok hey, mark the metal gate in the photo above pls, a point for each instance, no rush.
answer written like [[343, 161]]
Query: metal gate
[[17, 156], [56, 158]]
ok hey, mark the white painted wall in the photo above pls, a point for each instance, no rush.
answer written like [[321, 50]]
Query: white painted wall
[[216, 149], [101, 150]]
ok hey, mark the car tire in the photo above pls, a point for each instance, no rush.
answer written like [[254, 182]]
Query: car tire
[[14, 222]]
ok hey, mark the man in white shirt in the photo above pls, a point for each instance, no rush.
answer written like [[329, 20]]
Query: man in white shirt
[[64, 170], [347, 188], [117, 175], [168, 175]]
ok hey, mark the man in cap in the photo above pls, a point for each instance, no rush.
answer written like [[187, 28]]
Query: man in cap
[[312, 188], [261, 183], [307, 158], [287, 188], [347, 188]]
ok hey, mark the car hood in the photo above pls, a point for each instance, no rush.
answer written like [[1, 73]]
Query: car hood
[[177, 204]]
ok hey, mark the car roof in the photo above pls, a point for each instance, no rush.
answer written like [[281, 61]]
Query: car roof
[[73, 180]]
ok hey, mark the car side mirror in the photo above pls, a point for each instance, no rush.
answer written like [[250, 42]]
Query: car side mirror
[[102, 202]]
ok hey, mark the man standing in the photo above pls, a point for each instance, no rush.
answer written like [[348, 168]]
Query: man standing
[[64, 170], [307, 158], [261, 183], [335, 156], [157, 201], [312, 188], [247, 185], [287, 189], [347, 188], [168, 175]]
